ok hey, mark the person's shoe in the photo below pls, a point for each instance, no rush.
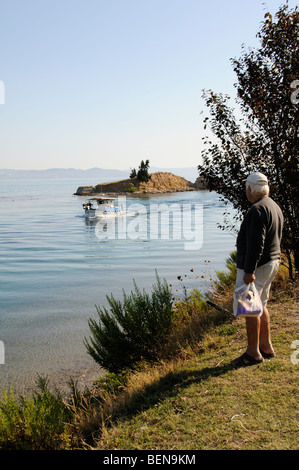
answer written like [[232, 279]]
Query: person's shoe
[[245, 360], [267, 355]]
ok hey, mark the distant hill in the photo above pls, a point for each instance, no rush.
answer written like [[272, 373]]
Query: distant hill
[[190, 173], [64, 173]]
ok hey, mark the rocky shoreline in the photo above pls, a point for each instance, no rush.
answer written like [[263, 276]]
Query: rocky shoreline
[[160, 182]]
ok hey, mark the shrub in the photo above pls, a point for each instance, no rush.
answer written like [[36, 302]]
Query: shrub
[[133, 330], [36, 423], [226, 279], [131, 188]]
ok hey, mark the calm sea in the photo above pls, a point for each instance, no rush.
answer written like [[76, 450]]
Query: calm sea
[[55, 268]]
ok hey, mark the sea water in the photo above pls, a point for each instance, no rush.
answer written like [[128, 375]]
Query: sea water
[[56, 266]]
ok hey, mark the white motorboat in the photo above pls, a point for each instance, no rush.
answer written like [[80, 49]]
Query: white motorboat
[[101, 207]]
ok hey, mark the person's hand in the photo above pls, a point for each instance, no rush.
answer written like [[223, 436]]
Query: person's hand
[[248, 278]]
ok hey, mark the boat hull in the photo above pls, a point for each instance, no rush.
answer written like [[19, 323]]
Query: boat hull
[[96, 213]]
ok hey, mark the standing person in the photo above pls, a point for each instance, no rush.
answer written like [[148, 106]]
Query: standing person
[[258, 258]]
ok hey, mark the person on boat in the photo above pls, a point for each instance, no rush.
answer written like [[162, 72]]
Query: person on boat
[[258, 258]]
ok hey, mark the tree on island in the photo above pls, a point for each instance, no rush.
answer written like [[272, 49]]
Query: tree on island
[[265, 137], [142, 174], [133, 173]]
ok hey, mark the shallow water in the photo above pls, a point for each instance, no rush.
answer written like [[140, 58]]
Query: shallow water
[[56, 266]]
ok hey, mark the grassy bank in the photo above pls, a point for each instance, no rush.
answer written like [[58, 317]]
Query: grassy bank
[[200, 402], [190, 399]]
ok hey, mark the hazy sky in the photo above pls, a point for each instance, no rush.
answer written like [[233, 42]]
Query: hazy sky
[[106, 83]]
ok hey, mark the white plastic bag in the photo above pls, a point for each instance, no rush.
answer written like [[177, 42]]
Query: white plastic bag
[[247, 301]]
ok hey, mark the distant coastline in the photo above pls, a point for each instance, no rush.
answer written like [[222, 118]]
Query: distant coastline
[[100, 174], [63, 173]]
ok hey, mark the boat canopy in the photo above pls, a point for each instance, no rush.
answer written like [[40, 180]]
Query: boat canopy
[[102, 200]]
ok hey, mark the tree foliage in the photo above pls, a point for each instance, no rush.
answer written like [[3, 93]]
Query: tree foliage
[[142, 174], [265, 135], [133, 173]]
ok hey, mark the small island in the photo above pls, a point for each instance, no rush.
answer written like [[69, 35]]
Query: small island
[[142, 182], [160, 182]]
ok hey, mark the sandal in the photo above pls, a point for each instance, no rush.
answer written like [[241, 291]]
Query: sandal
[[267, 355], [245, 360]]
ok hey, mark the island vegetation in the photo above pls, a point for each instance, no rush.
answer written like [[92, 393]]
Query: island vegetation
[[142, 175]]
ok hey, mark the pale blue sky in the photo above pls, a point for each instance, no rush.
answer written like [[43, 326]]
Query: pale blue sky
[[106, 83]]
